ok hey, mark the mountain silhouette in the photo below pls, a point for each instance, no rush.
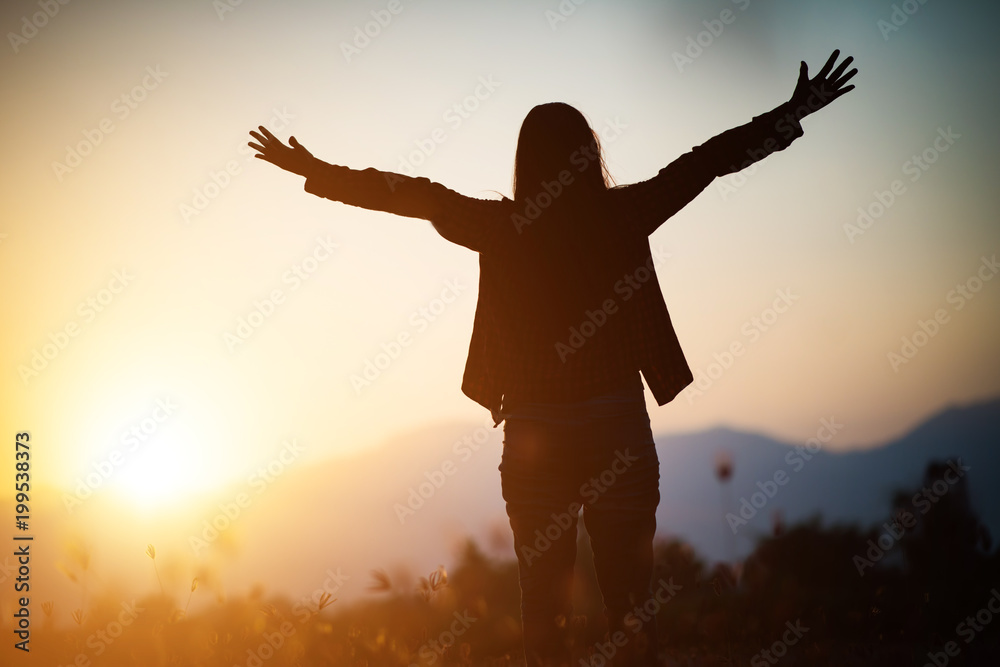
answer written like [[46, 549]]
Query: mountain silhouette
[[355, 520]]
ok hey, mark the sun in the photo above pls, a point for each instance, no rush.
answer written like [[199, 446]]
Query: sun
[[164, 473]]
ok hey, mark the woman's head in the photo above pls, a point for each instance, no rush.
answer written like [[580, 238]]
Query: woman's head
[[556, 146]]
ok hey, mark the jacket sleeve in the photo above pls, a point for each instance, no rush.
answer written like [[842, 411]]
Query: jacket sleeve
[[649, 203], [463, 220]]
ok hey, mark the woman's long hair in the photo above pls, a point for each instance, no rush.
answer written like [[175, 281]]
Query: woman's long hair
[[557, 147], [559, 177]]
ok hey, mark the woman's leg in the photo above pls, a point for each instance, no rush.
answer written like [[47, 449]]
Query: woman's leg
[[620, 515], [541, 488]]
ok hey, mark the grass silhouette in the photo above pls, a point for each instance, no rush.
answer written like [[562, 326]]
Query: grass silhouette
[[895, 612]]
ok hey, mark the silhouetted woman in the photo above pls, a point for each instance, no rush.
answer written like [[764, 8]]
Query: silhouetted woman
[[569, 313]]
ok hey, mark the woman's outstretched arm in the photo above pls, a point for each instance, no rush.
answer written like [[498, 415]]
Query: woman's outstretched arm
[[463, 220], [655, 200]]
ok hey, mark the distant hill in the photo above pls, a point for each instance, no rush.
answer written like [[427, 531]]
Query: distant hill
[[358, 513], [353, 505], [847, 487]]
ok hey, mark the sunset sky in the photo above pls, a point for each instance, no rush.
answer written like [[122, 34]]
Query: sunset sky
[[169, 297]]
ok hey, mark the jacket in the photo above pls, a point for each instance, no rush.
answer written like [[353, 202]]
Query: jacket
[[569, 301]]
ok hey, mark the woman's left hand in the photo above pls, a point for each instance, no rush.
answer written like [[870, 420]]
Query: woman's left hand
[[811, 95]]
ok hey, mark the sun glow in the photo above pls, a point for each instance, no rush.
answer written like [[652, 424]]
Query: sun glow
[[167, 472]]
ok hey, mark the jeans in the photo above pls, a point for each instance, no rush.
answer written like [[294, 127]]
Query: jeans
[[597, 456]]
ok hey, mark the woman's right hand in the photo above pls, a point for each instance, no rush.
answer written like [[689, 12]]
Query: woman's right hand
[[294, 158]]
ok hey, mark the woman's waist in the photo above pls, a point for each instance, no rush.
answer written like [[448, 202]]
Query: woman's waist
[[627, 397]]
